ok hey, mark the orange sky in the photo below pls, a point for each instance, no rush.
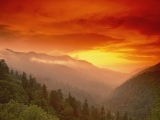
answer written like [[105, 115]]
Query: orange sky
[[118, 34]]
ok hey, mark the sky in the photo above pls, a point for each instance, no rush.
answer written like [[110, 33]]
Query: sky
[[120, 35]]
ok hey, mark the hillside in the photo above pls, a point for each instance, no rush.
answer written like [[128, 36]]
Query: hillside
[[23, 98], [139, 96], [63, 72]]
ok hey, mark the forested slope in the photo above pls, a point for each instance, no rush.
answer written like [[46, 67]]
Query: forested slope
[[22, 98], [139, 96]]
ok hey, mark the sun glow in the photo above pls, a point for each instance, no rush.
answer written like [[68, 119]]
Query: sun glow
[[100, 58]]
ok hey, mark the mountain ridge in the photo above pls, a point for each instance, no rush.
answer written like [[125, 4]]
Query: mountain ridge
[[64, 70], [138, 94]]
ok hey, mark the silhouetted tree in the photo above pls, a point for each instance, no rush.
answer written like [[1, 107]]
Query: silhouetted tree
[[3, 69], [24, 80]]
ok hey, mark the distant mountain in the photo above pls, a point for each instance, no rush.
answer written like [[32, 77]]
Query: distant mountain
[[137, 70], [139, 95], [65, 72]]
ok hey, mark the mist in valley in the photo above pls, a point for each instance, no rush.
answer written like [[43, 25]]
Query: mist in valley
[[81, 78], [125, 96]]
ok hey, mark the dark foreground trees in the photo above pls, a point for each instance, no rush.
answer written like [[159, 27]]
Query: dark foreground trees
[[22, 98]]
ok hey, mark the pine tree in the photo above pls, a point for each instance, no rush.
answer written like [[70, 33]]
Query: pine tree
[[109, 116], [31, 82], [125, 117], [102, 113], [4, 69], [44, 91], [24, 80], [117, 116], [85, 111]]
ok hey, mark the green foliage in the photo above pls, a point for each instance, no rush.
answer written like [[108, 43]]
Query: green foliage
[[137, 95], [11, 90], [11, 110], [18, 111], [35, 113], [24, 80], [45, 92], [22, 98], [156, 111]]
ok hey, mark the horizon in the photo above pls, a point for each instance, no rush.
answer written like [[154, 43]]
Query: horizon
[[127, 72]]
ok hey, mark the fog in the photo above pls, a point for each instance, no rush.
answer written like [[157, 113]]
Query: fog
[[66, 71]]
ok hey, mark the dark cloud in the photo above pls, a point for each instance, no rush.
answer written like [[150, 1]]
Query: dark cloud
[[140, 15], [109, 22], [4, 31], [148, 25], [72, 42], [8, 35]]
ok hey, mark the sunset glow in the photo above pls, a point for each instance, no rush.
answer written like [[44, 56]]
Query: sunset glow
[[100, 58], [120, 34]]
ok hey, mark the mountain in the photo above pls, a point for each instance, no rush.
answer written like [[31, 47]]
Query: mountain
[[139, 95], [70, 75], [137, 70], [20, 97]]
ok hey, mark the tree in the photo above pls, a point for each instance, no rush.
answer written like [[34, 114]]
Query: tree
[[34, 112], [12, 72], [102, 113], [118, 116], [56, 100], [18, 111], [156, 110], [109, 116], [125, 116], [32, 82], [85, 111], [4, 69], [11, 110], [95, 113], [24, 80], [19, 76], [74, 104], [45, 92]]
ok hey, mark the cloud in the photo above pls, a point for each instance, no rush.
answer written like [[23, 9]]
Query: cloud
[[146, 25], [69, 25], [70, 42], [54, 62], [148, 51], [69, 16], [48, 61], [4, 30]]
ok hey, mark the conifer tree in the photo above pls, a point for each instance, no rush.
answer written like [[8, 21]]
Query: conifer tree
[[24, 80], [102, 113], [4, 69], [44, 91]]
